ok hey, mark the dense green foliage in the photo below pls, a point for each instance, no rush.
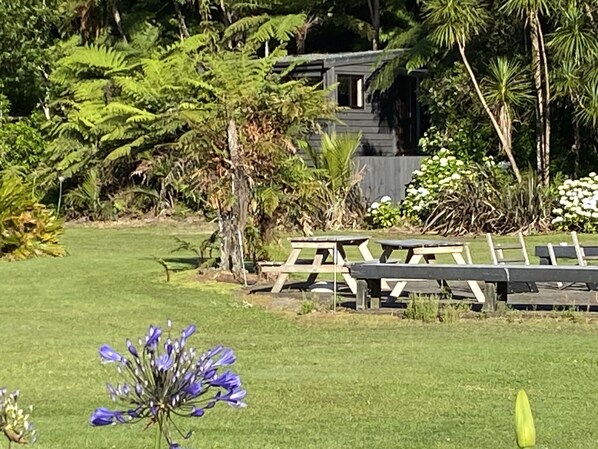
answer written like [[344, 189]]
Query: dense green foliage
[[140, 105], [21, 145]]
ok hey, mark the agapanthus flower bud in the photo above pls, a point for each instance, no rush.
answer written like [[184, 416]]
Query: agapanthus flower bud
[[153, 336], [109, 355], [132, 349]]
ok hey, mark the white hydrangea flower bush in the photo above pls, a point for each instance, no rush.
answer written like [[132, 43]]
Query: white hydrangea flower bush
[[383, 213], [578, 205], [437, 173]]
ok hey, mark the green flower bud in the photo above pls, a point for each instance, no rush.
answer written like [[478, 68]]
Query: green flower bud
[[524, 422]]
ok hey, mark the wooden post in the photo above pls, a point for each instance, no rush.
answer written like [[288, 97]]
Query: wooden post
[[375, 291], [361, 302], [490, 294]]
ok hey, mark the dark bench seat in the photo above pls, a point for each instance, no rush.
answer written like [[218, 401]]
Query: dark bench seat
[[369, 276]]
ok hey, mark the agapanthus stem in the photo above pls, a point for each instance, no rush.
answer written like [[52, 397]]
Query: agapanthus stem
[[158, 440]]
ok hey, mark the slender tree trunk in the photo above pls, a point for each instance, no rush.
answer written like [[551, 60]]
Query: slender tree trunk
[[504, 142], [541, 85], [374, 6], [184, 32], [233, 216], [506, 123], [547, 99], [301, 42], [576, 149], [118, 20], [228, 17]]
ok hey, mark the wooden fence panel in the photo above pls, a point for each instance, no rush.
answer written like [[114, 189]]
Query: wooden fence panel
[[383, 175]]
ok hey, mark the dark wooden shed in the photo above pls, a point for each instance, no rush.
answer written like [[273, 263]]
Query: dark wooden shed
[[390, 122]]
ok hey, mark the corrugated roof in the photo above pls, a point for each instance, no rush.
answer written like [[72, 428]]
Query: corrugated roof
[[346, 56]]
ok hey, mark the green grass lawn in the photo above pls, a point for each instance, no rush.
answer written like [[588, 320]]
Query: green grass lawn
[[359, 382]]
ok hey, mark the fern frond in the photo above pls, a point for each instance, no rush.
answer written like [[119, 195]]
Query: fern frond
[[244, 25], [124, 150], [87, 90], [104, 59]]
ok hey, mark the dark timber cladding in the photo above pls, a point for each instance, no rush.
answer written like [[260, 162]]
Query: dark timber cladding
[[390, 122]]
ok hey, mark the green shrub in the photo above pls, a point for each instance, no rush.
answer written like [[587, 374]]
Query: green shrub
[[465, 144], [27, 228], [21, 145], [438, 173], [383, 214], [339, 175], [87, 199]]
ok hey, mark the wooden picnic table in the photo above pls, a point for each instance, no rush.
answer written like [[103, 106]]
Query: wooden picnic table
[[418, 249], [330, 257]]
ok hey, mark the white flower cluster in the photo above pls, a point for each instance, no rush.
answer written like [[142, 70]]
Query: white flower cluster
[[440, 172], [383, 213], [376, 205], [578, 204]]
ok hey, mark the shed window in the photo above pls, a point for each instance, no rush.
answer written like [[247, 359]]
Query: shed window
[[350, 91]]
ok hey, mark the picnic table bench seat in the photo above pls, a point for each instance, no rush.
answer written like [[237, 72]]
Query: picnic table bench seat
[[369, 277], [300, 266]]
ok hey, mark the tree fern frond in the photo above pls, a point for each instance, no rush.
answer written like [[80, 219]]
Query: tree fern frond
[[117, 107], [118, 153], [95, 57], [244, 25], [87, 90]]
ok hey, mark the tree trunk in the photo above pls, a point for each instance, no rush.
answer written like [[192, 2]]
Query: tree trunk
[[118, 20], [184, 32], [301, 42], [576, 149], [228, 17], [547, 99], [540, 73], [301, 35], [233, 215], [374, 6], [504, 142]]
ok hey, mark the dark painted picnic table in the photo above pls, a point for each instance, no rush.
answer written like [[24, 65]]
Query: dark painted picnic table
[[566, 252], [563, 252]]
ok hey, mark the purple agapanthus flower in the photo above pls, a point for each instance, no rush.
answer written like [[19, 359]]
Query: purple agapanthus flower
[[163, 379]]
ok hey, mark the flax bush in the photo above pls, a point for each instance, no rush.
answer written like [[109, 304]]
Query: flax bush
[[491, 200]]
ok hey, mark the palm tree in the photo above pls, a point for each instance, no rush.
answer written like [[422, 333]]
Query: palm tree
[[506, 89], [334, 162], [531, 11], [455, 23], [574, 44]]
